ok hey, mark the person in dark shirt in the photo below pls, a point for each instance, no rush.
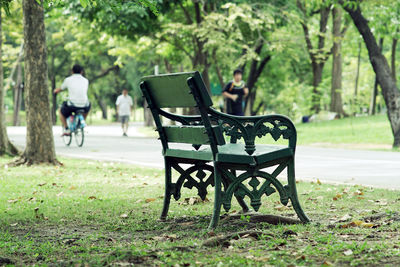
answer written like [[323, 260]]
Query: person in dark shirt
[[235, 91]]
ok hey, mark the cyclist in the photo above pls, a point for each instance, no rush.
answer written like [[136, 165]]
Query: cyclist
[[77, 86]]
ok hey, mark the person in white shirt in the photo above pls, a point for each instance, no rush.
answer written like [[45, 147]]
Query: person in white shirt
[[77, 86], [124, 107]]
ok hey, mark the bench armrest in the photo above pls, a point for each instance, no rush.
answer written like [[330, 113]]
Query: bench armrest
[[250, 127]]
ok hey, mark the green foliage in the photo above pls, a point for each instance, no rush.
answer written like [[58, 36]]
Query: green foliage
[[5, 4], [137, 35]]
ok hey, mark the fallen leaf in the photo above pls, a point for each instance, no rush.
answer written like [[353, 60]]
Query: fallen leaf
[[171, 237], [318, 182], [187, 223], [337, 196], [193, 201], [92, 197], [72, 187], [381, 202], [14, 224], [358, 223], [60, 194], [110, 239], [42, 184], [327, 263], [12, 200], [344, 218], [302, 257], [150, 200], [124, 215], [348, 252], [262, 259], [358, 193], [281, 207]]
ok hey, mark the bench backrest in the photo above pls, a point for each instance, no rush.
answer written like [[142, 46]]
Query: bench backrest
[[173, 91]]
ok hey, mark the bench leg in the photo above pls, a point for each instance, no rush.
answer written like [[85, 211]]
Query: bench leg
[[167, 195], [217, 198], [293, 193]]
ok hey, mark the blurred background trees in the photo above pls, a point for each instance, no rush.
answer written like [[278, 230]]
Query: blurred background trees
[[299, 57]]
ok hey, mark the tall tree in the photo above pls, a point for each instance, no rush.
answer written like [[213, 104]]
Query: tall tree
[[6, 147], [372, 105], [319, 54], [39, 141], [336, 86], [390, 91], [393, 57]]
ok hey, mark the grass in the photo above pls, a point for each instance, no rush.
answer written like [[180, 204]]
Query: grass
[[372, 132], [96, 213]]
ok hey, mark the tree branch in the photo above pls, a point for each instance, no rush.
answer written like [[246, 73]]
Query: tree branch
[[262, 65], [306, 31], [186, 12], [104, 73]]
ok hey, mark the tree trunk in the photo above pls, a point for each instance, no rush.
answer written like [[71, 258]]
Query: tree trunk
[[256, 68], [358, 71], [6, 147], [39, 139], [17, 96], [102, 105], [336, 88], [372, 106], [318, 55], [393, 61], [390, 92], [53, 100], [317, 69], [148, 117], [52, 75]]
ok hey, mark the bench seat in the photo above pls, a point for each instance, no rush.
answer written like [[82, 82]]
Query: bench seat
[[234, 153]]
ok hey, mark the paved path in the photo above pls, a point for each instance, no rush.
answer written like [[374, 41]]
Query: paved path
[[370, 168]]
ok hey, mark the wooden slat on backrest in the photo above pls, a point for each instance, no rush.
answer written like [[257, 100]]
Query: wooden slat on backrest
[[192, 134], [186, 134], [171, 90]]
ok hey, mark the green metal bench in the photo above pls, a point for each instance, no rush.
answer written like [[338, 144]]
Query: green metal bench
[[234, 169]]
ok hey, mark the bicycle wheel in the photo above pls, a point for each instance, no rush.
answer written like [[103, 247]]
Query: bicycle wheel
[[67, 139], [79, 136]]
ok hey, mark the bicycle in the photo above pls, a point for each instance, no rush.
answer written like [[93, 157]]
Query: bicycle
[[76, 124]]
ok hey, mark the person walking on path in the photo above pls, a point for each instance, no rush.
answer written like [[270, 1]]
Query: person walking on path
[[124, 107], [77, 86], [235, 91]]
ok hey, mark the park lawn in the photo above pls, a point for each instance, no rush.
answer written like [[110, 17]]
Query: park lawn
[[98, 213], [370, 132]]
